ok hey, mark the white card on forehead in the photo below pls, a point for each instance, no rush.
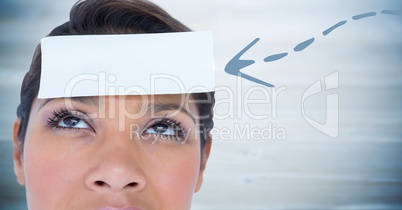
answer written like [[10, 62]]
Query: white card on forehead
[[134, 64]]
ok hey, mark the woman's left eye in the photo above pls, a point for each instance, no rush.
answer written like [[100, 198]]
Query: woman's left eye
[[166, 129], [72, 122], [161, 129]]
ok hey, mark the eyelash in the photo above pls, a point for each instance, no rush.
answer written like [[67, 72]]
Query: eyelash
[[63, 113], [180, 133]]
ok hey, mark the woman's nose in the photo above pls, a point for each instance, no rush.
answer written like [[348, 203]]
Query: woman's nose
[[115, 168]]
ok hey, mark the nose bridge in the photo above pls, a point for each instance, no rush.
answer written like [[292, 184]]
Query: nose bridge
[[116, 165]]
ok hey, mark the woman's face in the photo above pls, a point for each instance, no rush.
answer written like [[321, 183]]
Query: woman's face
[[130, 152]]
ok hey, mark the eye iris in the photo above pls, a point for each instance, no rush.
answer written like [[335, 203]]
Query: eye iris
[[160, 128], [71, 121]]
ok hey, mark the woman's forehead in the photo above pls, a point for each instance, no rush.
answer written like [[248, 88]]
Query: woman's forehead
[[154, 103], [183, 99], [101, 100]]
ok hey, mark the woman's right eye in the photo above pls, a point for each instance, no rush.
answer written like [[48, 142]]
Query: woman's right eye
[[72, 122], [69, 119]]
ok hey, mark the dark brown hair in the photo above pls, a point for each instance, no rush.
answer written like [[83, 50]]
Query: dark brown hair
[[93, 17]]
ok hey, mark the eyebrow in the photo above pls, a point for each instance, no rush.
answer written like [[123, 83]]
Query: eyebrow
[[82, 100], [157, 107]]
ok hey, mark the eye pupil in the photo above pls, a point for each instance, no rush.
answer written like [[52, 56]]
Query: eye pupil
[[71, 121]]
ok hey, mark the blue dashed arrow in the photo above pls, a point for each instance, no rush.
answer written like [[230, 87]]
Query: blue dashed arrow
[[236, 64]]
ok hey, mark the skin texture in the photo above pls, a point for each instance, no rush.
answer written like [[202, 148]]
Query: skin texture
[[112, 158]]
